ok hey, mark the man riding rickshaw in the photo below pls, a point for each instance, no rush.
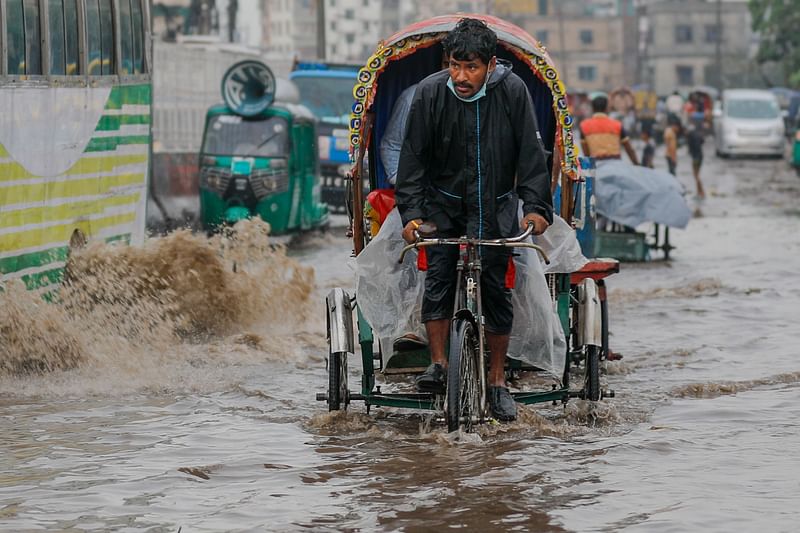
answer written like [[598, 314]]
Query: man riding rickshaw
[[474, 180], [465, 183]]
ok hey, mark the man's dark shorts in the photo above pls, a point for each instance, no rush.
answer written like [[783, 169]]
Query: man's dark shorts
[[440, 287]]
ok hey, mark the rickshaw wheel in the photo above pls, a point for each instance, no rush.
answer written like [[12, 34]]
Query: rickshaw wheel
[[591, 385], [463, 389], [337, 382]]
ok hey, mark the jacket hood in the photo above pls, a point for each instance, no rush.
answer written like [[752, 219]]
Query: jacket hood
[[500, 73]]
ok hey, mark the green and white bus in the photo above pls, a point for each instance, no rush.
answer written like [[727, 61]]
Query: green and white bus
[[75, 129]]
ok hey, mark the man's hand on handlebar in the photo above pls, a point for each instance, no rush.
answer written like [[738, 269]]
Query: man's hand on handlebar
[[409, 231], [539, 223]]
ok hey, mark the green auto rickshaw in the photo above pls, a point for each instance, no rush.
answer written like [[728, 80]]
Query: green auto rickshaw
[[259, 155]]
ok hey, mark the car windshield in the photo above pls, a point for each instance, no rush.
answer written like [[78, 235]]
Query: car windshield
[[329, 99], [742, 108], [238, 136]]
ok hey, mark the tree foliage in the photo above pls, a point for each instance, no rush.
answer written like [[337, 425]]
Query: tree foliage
[[778, 24]]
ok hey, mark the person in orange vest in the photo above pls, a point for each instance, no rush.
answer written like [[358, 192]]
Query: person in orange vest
[[603, 137]]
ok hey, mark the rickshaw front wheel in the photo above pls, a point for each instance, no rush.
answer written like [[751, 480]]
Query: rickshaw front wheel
[[591, 385], [463, 387], [337, 381]]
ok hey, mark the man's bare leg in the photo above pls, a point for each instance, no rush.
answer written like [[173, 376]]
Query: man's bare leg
[[434, 378], [500, 400], [438, 330], [698, 184], [498, 346]]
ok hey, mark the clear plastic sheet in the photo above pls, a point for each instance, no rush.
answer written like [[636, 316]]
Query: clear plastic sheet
[[631, 195], [561, 246], [389, 294]]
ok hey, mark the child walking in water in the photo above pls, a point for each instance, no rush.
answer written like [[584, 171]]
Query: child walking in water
[[671, 143], [649, 150], [694, 142]]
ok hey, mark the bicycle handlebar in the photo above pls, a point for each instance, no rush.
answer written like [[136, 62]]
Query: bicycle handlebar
[[510, 242]]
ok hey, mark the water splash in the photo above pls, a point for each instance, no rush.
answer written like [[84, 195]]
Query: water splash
[[696, 289], [34, 335], [137, 313], [728, 388], [338, 422]]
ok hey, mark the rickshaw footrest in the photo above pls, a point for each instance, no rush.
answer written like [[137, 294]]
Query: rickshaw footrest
[[323, 397]]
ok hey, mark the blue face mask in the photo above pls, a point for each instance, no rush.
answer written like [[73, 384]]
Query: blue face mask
[[480, 94]]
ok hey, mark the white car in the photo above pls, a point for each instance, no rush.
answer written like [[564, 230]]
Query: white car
[[749, 122]]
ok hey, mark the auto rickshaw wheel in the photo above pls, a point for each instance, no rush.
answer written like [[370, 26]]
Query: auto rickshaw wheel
[[591, 385], [463, 387], [338, 396]]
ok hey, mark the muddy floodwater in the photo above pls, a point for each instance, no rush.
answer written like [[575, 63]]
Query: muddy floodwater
[[137, 406]]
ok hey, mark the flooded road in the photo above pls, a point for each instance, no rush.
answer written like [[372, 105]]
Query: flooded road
[[218, 429]]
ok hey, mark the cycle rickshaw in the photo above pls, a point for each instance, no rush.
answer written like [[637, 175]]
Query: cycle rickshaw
[[575, 298]]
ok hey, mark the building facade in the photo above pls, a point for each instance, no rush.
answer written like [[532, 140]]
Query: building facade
[[290, 28], [588, 51], [352, 29], [696, 42]]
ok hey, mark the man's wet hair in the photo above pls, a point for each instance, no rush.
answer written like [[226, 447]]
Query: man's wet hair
[[599, 104], [471, 38]]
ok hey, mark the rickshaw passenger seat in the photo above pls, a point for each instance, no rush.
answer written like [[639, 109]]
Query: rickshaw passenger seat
[[597, 269]]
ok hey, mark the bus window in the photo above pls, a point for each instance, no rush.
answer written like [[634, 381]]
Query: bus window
[[71, 31], [63, 20], [126, 37], [107, 36], [94, 57], [33, 48], [100, 38], [55, 12], [137, 21], [15, 32]]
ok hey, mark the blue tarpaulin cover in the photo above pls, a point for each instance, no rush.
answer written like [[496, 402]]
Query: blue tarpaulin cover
[[631, 195]]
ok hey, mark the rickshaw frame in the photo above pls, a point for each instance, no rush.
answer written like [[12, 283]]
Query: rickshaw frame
[[575, 294]]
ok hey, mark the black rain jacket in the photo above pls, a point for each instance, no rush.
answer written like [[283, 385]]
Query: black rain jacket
[[456, 152]]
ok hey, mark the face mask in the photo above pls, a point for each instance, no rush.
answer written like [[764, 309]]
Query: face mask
[[480, 94]]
